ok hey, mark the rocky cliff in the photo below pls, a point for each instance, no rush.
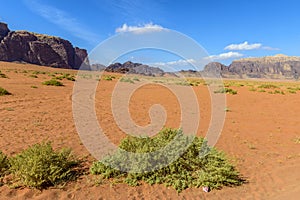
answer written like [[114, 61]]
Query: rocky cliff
[[135, 68], [24, 46], [278, 66]]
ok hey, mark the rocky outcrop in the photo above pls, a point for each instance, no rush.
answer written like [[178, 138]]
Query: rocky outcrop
[[278, 66], [215, 69], [135, 68], [24, 46], [3, 30]]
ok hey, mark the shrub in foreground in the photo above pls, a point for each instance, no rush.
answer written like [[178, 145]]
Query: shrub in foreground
[[3, 164], [40, 166], [189, 170]]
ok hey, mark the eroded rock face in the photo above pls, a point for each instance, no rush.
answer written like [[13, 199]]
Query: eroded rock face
[[278, 66], [135, 68], [3, 30], [39, 49]]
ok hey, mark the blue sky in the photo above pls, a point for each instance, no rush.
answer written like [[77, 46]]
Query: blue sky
[[227, 29]]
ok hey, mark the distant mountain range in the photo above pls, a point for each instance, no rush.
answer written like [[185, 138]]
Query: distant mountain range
[[24, 46], [273, 67]]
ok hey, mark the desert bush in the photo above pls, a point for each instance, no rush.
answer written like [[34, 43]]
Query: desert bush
[[4, 164], [53, 82], [267, 86], [108, 77], [38, 72], [126, 80], [189, 170], [33, 76], [4, 92], [3, 75], [226, 90], [40, 166]]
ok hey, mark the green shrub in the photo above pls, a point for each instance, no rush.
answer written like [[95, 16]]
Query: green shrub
[[252, 89], [108, 77], [268, 86], [3, 75], [33, 76], [189, 170], [4, 164], [226, 90], [4, 92], [38, 72], [126, 80], [65, 76], [53, 82], [40, 166]]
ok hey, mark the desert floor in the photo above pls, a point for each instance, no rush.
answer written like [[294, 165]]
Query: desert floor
[[261, 134]]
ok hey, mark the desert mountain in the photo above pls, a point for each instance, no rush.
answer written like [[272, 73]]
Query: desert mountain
[[135, 68], [278, 66], [24, 46]]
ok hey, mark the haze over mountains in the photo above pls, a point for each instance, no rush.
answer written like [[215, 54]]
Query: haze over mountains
[[24, 46]]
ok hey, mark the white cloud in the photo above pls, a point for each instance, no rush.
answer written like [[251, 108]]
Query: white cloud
[[247, 46], [243, 46], [63, 20], [150, 27], [175, 63], [270, 48], [225, 56]]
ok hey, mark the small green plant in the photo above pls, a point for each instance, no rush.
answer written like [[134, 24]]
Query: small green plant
[[262, 90], [53, 82], [297, 140], [268, 86], [33, 76], [136, 79], [4, 92], [40, 166], [3, 75], [227, 109], [226, 90], [126, 80], [292, 91], [34, 86], [38, 72], [4, 164], [191, 169], [108, 77], [252, 89]]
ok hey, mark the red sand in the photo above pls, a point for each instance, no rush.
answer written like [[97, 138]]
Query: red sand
[[259, 134]]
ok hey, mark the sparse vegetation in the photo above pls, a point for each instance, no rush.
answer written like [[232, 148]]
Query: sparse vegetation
[[33, 76], [40, 166], [2, 75], [252, 89], [4, 164], [189, 170], [4, 92], [297, 140], [226, 90], [268, 86], [108, 77], [126, 80], [53, 82]]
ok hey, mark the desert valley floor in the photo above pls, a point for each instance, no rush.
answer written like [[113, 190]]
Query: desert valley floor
[[261, 133]]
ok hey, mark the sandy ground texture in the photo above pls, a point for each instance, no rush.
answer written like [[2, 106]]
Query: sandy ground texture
[[261, 135]]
